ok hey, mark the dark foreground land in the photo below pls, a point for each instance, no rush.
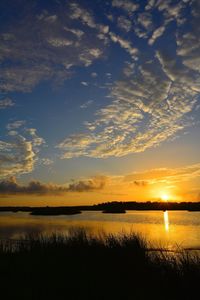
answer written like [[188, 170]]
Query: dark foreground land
[[79, 267], [109, 207]]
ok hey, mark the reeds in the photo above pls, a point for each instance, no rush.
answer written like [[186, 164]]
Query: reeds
[[81, 266]]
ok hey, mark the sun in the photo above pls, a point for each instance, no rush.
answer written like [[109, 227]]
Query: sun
[[164, 197]]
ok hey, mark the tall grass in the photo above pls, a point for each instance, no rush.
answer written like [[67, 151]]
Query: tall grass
[[83, 266]]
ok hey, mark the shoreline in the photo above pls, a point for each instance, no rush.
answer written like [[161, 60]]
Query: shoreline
[[113, 207]]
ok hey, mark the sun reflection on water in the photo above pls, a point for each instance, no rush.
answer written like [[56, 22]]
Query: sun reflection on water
[[166, 220]]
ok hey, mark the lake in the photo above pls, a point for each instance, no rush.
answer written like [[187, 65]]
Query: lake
[[169, 229]]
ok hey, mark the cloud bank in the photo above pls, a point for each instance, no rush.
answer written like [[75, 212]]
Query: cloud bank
[[147, 179], [11, 187]]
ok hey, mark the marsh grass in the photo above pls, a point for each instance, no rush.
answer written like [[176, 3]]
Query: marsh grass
[[80, 265]]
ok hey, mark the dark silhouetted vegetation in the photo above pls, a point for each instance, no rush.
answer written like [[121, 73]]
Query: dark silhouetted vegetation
[[79, 266], [191, 206], [109, 207], [114, 210]]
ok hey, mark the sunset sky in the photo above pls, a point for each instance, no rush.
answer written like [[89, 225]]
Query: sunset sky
[[99, 101]]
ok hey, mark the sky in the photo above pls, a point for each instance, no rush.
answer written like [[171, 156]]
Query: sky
[[99, 101]]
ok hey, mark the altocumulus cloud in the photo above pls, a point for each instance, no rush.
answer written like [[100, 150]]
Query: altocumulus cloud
[[153, 101], [35, 187], [38, 45], [46, 45]]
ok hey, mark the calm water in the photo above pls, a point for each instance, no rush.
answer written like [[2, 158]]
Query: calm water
[[168, 229]]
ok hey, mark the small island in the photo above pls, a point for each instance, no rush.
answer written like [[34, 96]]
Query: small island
[[54, 211]]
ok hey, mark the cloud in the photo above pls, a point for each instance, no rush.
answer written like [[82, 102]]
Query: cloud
[[43, 46], [172, 11], [125, 44], [35, 187], [140, 183], [46, 46], [95, 183], [145, 19], [129, 69], [179, 73], [84, 83], [148, 109], [189, 42], [126, 5], [36, 140], [75, 145], [124, 23], [6, 103], [78, 12], [150, 4], [19, 153], [11, 187], [59, 42], [145, 26], [86, 104], [16, 124], [158, 89], [156, 34], [17, 156], [94, 74], [138, 180], [77, 32], [155, 97], [164, 175], [46, 161], [87, 19]]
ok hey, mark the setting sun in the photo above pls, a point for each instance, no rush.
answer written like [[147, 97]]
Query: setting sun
[[164, 197]]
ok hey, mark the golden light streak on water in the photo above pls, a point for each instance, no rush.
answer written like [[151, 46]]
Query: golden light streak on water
[[166, 220]]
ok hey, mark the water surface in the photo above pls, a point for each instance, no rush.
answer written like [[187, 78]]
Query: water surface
[[169, 229]]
